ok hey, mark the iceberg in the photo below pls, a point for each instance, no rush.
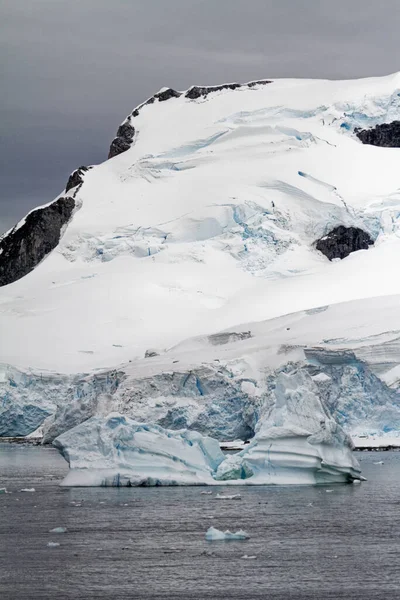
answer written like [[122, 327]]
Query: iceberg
[[298, 443], [215, 535], [118, 451]]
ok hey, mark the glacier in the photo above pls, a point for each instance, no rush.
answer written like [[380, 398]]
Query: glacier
[[199, 237], [297, 443]]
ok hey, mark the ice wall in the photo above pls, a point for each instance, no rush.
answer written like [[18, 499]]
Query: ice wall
[[118, 451], [296, 443]]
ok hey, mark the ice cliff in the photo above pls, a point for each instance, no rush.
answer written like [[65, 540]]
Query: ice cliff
[[117, 451], [298, 443]]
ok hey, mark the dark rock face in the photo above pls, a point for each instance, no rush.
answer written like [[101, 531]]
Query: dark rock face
[[197, 92], [122, 140], [126, 132], [167, 94], [260, 82], [386, 135], [342, 241], [23, 248], [76, 178]]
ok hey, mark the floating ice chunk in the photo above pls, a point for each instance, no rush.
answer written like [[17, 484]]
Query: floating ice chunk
[[118, 451], [245, 556], [3, 491], [328, 491], [231, 497], [205, 493], [28, 490], [58, 530], [214, 535], [53, 544], [379, 462], [297, 443]]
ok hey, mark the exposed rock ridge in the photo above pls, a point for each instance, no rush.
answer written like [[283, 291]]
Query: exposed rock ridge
[[25, 246], [126, 132], [386, 135], [76, 178]]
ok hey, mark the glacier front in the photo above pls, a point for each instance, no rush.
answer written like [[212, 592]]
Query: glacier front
[[298, 443]]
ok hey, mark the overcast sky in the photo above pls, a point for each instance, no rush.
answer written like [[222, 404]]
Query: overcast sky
[[72, 70]]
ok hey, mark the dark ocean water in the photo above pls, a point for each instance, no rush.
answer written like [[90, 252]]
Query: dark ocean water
[[149, 542]]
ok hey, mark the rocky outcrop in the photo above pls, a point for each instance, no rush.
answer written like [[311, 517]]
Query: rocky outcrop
[[126, 132], [197, 92], [76, 178], [386, 135], [123, 140], [342, 241], [24, 247], [167, 94]]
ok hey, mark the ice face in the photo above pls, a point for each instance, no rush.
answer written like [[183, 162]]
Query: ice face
[[296, 443], [118, 451]]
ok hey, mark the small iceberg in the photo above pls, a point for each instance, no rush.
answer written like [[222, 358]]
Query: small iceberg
[[53, 544], [58, 530], [231, 497], [214, 535], [28, 490]]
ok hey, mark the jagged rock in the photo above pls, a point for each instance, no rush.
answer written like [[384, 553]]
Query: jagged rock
[[167, 94], [342, 241], [386, 135], [23, 248], [260, 82], [76, 178], [150, 353], [123, 139], [196, 91]]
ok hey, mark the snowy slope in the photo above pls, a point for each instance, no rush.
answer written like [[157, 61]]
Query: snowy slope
[[208, 221]]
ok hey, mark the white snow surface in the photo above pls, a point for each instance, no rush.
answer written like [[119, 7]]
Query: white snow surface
[[206, 225], [208, 221]]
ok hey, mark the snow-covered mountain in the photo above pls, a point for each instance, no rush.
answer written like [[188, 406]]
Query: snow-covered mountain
[[268, 211]]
